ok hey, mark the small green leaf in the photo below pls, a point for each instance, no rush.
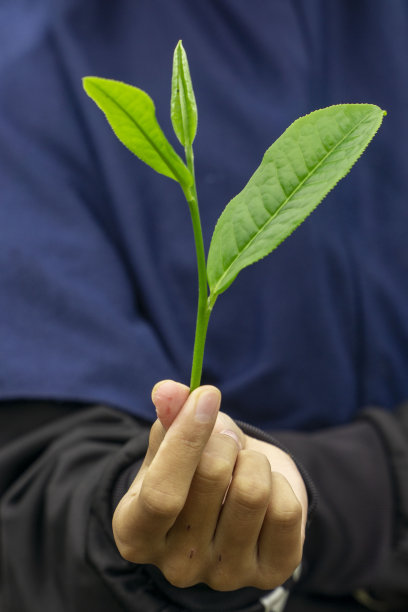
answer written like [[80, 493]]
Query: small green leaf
[[183, 108], [131, 114], [296, 173]]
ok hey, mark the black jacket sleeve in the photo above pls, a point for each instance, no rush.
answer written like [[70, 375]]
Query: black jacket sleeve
[[51, 482], [60, 479], [358, 539], [60, 467]]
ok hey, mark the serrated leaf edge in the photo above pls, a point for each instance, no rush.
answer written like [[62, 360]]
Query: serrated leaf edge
[[93, 80], [214, 292]]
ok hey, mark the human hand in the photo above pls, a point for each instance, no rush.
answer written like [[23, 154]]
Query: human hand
[[205, 505]]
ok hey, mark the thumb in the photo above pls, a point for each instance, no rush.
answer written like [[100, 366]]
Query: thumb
[[168, 398]]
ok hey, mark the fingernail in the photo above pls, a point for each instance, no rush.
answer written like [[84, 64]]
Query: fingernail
[[207, 405], [233, 435]]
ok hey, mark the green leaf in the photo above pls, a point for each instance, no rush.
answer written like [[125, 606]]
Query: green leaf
[[131, 114], [183, 108], [296, 173]]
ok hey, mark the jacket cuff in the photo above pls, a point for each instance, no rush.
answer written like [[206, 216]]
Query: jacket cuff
[[389, 591]]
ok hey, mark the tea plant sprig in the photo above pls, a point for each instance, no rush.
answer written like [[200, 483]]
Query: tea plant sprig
[[296, 173]]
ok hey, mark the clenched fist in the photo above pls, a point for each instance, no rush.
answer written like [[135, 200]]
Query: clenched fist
[[209, 503]]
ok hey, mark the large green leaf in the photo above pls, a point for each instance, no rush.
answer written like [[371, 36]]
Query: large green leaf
[[296, 173], [183, 108], [131, 114]]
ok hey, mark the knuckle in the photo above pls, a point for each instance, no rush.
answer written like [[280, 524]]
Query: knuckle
[[128, 541], [179, 574], [267, 581], [175, 578], [219, 584], [223, 581], [120, 527], [230, 574], [287, 518], [252, 494], [192, 441], [120, 536], [127, 552], [213, 469], [159, 503]]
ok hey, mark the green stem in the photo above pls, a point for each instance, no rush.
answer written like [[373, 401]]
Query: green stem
[[199, 345], [203, 310]]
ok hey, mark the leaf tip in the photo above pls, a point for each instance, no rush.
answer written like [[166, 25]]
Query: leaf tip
[[87, 83], [179, 48]]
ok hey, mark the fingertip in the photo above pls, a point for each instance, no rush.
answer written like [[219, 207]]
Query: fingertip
[[168, 390], [207, 404], [168, 397], [211, 389], [226, 424], [157, 387]]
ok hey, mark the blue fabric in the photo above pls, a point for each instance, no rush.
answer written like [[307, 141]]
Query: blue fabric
[[97, 270]]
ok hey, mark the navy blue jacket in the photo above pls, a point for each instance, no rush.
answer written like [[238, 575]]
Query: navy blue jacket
[[97, 271]]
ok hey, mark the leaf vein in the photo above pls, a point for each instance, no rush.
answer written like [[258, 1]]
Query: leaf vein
[[144, 133], [291, 194]]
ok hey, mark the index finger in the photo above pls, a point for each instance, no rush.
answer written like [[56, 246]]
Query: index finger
[[167, 481]]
